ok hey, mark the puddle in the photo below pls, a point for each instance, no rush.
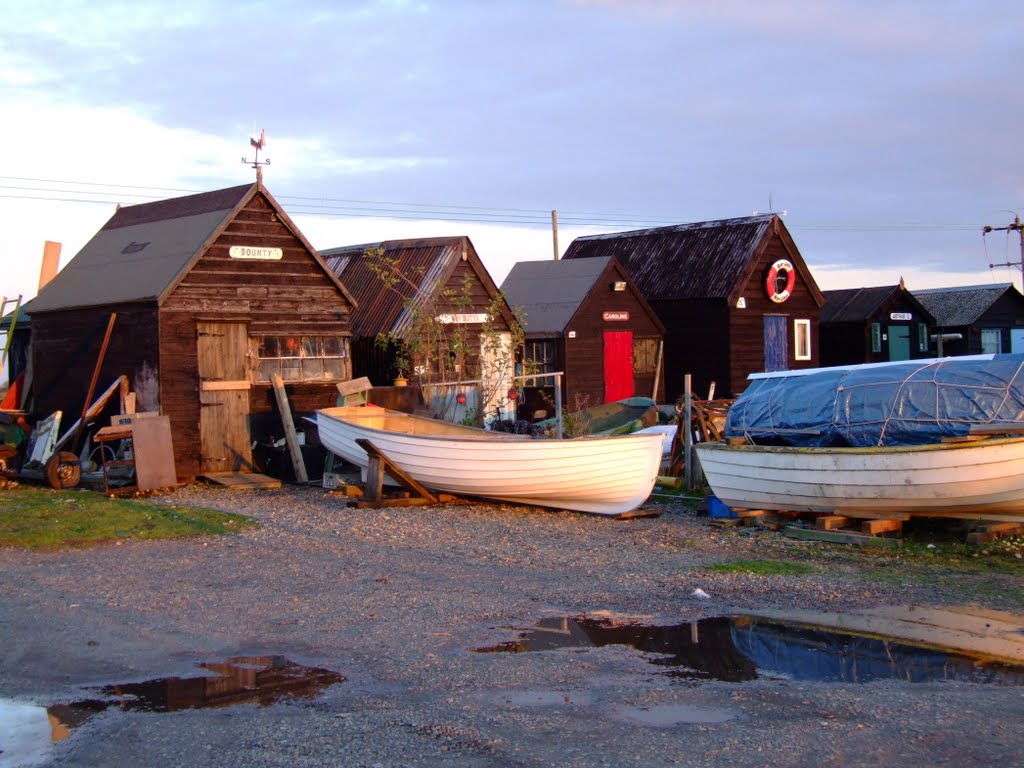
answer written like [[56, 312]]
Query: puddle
[[739, 648], [259, 680], [670, 715]]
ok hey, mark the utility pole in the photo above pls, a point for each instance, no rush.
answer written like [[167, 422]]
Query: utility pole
[[1019, 229], [554, 232]]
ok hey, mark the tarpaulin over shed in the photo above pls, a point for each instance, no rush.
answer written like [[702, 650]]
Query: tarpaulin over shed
[[908, 403]]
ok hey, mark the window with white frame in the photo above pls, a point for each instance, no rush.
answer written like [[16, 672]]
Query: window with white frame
[[301, 358], [802, 339]]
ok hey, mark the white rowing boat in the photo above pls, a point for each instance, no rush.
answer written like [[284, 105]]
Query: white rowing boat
[[601, 475], [979, 479]]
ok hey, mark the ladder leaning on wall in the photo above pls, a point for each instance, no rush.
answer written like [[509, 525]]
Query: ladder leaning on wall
[[5, 303]]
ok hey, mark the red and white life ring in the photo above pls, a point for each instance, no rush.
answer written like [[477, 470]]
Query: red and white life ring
[[771, 282]]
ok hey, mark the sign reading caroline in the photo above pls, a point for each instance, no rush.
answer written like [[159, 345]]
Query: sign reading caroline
[[615, 317], [780, 281], [253, 252]]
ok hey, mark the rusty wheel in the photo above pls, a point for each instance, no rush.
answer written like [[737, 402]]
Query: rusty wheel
[[63, 470]]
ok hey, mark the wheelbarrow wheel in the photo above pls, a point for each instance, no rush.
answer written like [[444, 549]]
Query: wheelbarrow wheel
[[63, 470]]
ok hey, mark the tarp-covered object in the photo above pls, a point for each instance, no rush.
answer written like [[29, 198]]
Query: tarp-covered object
[[912, 403]]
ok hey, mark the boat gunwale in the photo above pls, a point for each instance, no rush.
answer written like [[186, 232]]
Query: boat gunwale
[[471, 434], [852, 450]]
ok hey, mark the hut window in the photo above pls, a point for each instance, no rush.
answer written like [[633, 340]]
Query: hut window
[[645, 355], [540, 358], [802, 336], [302, 358], [991, 341], [922, 338], [876, 337]]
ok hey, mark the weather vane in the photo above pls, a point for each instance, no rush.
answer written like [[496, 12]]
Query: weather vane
[[257, 163]]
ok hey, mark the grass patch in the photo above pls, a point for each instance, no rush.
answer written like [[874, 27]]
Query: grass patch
[[764, 567], [44, 519]]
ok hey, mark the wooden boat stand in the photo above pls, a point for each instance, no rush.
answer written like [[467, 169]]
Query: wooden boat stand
[[379, 465]]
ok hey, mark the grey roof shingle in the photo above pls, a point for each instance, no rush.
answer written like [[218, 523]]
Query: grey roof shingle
[[139, 252], [550, 292], [704, 260], [960, 305], [854, 305]]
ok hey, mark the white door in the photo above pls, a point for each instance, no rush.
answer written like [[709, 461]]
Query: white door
[[497, 369]]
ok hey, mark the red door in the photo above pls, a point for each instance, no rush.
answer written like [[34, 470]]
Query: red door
[[618, 365]]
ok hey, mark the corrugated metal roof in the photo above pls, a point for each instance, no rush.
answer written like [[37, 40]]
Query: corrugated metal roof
[[550, 292], [854, 305], [686, 261], [424, 261], [139, 252], [961, 305]]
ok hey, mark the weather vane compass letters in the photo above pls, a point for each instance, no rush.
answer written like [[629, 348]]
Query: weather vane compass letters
[[257, 163]]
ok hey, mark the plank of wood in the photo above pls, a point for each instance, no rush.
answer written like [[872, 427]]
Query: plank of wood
[[875, 527], [836, 537], [395, 471], [354, 386], [993, 531], [289, 429], [241, 480], [92, 412], [633, 514], [832, 522], [411, 501], [979, 632], [224, 386]]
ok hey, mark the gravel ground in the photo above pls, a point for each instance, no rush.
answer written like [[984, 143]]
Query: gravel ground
[[396, 599]]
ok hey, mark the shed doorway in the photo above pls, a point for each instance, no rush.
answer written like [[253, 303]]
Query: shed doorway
[[899, 342], [223, 397], [618, 365], [776, 343]]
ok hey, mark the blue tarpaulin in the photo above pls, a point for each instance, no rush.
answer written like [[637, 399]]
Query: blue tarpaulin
[[912, 403]]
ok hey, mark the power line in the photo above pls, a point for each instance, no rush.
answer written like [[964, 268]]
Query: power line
[[112, 194]]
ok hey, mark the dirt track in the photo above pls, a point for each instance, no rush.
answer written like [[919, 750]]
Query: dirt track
[[395, 600]]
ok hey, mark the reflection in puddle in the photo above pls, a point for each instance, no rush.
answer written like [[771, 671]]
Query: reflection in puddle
[[738, 648], [241, 680]]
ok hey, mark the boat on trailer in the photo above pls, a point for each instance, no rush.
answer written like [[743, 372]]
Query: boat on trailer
[[603, 475], [940, 438]]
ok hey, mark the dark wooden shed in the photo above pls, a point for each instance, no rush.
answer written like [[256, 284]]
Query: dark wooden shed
[[734, 295], [442, 277], [586, 318], [987, 318], [213, 293], [874, 325]]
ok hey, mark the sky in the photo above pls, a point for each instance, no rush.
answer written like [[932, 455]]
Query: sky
[[887, 134]]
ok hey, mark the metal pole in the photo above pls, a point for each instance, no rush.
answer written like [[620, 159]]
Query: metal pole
[[688, 434], [558, 405]]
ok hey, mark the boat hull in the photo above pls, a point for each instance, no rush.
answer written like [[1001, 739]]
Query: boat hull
[[598, 475], [971, 479]]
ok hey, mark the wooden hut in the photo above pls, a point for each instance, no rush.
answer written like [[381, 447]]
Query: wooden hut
[[874, 325], [213, 294], [976, 319], [586, 318], [734, 295], [438, 282]]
